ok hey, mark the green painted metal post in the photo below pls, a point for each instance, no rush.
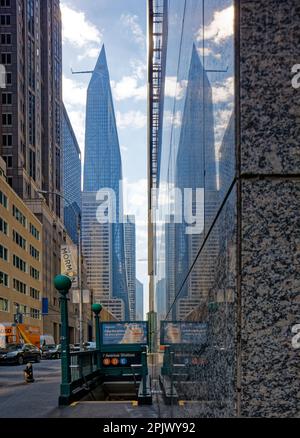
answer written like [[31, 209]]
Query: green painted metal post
[[96, 308], [63, 284], [144, 372]]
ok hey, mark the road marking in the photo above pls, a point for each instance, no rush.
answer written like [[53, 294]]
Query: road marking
[[135, 403]]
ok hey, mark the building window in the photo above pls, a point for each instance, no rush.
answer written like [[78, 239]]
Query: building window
[[3, 253], [6, 98], [19, 286], [19, 263], [6, 58], [8, 79], [35, 294], [7, 140], [8, 161], [4, 305], [3, 199], [5, 39], [34, 253], [34, 232], [31, 63], [19, 240], [34, 273], [5, 20], [3, 279], [31, 118], [6, 119], [35, 313], [32, 164], [5, 3], [30, 16], [3, 226], [19, 216]]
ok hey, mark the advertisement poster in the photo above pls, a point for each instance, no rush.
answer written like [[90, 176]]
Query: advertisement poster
[[124, 333], [183, 333]]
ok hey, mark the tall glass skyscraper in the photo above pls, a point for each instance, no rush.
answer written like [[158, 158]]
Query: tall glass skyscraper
[[130, 260], [72, 177], [103, 170]]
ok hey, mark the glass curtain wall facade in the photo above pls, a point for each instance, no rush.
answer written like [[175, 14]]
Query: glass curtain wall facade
[[196, 264], [103, 170], [130, 261], [72, 177]]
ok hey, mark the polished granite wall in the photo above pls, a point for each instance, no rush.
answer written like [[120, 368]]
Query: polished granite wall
[[269, 208]]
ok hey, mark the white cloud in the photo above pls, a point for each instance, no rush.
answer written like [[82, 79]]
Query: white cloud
[[77, 119], [92, 52], [128, 88], [74, 93], [220, 28], [221, 122], [208, 52], [76, 29], [132, 119], [74, 97], [223, 92], [139, 68], [172, 119], [131, 22], [174, 88]]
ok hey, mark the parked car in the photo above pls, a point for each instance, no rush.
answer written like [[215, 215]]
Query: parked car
[[19, 354], [89, 345], [51, 351]]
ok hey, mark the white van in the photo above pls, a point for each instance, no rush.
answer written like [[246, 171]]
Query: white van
[[47, 340]]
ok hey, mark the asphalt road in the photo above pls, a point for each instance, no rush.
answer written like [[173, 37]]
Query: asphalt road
[[35, 400]]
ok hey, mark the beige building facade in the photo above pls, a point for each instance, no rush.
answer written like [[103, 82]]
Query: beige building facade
[[21, 252]]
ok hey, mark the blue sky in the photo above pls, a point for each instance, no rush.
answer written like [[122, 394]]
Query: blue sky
[[121, 26]]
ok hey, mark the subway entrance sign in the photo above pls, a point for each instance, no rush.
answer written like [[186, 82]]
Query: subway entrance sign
[[123, 349], [184, 345]]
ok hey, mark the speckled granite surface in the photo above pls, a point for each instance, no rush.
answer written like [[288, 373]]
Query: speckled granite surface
[[270, 106], [270, 297], [270, 148]]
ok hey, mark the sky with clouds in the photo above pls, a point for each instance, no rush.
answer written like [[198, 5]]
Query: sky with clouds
[[121, 26]]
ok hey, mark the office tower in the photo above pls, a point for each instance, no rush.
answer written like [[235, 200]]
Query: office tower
[[30, 122], [31, 103], [170, 268], [195, 169], [130, 262], [103, 170], [71, 178], [139, 301]]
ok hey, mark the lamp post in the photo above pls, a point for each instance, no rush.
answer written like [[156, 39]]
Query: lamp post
[[96, 308], [77, 214], [63, 284]]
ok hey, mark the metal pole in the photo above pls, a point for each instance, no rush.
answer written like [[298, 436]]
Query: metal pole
[[63, 285], [96, 308], [81, 336]]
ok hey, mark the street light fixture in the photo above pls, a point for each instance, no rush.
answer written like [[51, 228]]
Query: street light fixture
[[77, 214]]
